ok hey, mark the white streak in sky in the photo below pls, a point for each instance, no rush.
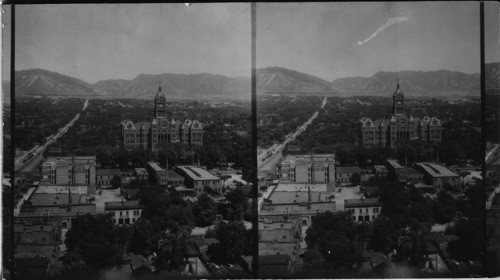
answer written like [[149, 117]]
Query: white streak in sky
[[388, 24]]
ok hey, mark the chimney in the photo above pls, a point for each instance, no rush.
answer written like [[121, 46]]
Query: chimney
[[123, 202]]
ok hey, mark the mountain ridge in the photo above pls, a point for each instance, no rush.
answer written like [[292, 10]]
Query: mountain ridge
[[273, 79]]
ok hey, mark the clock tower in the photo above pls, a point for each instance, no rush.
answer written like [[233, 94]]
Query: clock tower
[[398, 102], [160, 104]]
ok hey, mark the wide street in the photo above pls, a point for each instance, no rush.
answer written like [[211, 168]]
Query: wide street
[[268, 163], [27, 163]]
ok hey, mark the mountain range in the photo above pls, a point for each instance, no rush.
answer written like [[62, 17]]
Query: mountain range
[[269, 80]]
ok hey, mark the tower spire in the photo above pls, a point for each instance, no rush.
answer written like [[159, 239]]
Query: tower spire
[[398, 84], [159, 85]]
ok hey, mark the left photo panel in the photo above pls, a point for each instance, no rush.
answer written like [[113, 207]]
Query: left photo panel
[[133, 142]]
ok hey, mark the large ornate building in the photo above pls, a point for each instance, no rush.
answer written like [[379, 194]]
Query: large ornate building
[[151, 135], [399, 128]]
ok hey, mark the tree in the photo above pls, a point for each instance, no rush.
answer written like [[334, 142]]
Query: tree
[[232, 244], [471, 240], [336, 236], [204, 211], [385, 235], [355, 179], [144, 238], [444, 208], [172, 256], [238, 201], [96, 239], [116, 181]]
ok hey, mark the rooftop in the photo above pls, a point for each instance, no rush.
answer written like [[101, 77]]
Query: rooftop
[[291, 197], [348, 169], [141, 171], [156, 167], [173, 174], [394, 163], [364, 202], [303, 159], [436, 170], [122, 205], [108, 172], [51, 161], [293, 187], [197, 173]]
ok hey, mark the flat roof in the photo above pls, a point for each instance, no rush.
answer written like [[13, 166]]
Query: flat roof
[[348, 169], [55, 199], [380, 168], [197, 173], [62, 210], [394, 163], [273, 259], [436, 170], [122, 205], [51, 189], [69, 160], [413, 171], [141, 171], [280, 197], [294, 159], [365, 202], [292, 187], [108, 172], [155, 166], [298, 208], [173, 174]]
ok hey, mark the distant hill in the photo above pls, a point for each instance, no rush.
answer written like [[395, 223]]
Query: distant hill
[[492, 77], [48, 83], [281, 80], [178, 85], [415, 82], [269, 80]]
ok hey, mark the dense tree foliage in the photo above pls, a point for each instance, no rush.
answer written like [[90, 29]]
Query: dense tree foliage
[[97, 240], [471, 244], [444, 208], [233, 243], [204, 211], [336, 235]]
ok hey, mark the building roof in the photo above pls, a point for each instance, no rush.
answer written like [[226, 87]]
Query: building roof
[[197, 173], [274, 259], [363, 202], [436, 170], [300, 187], [141, 171], [347, 169], [54, 161], [122, 205], [155, 166], [413, 172], [304, 159], [108, 172], [291, 197], [380, 168], [394, 163], [173, 174]]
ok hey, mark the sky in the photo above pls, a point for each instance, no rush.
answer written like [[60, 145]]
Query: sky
[[109, 41], [335, 40], [491, 32]]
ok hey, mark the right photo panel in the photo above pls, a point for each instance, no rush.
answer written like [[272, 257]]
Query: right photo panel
[[492, 134], [370, 150]]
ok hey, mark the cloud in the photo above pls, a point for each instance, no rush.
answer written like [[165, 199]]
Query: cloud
[[386, 25]]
